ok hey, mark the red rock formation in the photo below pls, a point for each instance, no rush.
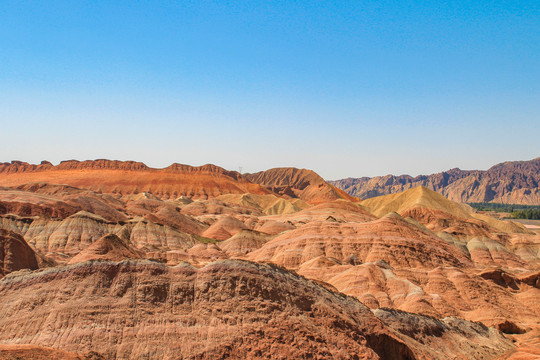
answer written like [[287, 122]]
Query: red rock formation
[[228, 309], [188, 313], [436, 258], [33, 352], [299, 183], [224, 228], [391, 239], [129, 177], [15, 254], [109, 247]]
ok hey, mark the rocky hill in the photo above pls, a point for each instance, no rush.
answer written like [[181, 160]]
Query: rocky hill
[[228, 309], [86, 273], [130, 177], [513, 182], [298, 183], [176, 180]]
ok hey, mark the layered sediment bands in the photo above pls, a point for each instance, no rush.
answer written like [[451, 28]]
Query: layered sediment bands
[[77, 232], [390, 239], [444, 336], [439, 292], [513, 182], [440, 214], [33, 352], [15, 254], [130, 178], [134, 310], [244, 242], [58, 201], [416, 252], [485, 251], [298, 183], [224, 228], [104, 205], [266, 204], [109, 247], [165, 213], [23, 203], [437, 221], [339, 210]]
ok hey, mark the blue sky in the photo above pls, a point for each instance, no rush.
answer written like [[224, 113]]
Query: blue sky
[[344, 88]]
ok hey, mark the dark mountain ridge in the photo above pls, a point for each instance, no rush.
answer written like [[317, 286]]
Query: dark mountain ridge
[[511, 182]]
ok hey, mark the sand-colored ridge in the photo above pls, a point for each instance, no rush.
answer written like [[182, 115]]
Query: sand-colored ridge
[[267, 204], [422, 197], [416, 197], [244, 242]]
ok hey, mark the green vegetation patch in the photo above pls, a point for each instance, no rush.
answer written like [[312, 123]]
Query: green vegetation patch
[[497, 207], [205, 240], [531, 214]]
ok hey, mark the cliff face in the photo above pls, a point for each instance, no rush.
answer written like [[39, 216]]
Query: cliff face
[[514, 182], [228, 309], [153, 311]]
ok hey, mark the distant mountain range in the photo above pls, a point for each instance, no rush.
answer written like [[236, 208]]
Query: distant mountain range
[[512, 182]]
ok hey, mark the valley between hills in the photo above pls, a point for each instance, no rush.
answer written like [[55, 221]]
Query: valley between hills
[[108, 259]]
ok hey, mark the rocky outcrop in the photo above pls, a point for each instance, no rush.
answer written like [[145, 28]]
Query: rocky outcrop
[[439, 213], [134, 310], [513, 182], [391, 239], [442, 335], [128, 177], [15, 254], [109, 247], [298, 183], [33, 352], [228, 309]]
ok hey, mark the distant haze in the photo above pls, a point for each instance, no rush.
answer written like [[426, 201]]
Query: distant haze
[[348, 89]]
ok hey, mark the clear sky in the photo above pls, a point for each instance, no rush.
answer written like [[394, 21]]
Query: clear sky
[[346, 88]]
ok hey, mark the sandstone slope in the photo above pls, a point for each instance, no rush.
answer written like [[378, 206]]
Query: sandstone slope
[[229, 309], [15, 254], [129, 177], [298, 183]]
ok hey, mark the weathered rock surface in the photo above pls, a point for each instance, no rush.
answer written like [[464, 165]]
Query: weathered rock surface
[[151, 311], [134, 309], [442, 335], [109, 247], [416, 252], [390, 238], [298, 183], [15, 254], [129, 177], [513, 182], [33, 352]]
